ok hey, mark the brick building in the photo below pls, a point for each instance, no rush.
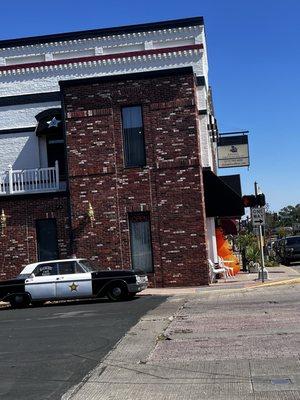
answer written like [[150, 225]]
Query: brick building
[[107, 151]]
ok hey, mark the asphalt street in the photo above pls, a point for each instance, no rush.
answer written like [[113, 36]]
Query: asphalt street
[[46, 350]]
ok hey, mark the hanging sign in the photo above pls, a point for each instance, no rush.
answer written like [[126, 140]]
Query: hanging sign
[[233, 151]]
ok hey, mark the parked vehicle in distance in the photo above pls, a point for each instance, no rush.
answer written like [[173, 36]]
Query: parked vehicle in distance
[[74, 278], [288, 249]]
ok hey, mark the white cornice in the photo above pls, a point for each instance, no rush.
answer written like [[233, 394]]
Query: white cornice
[[142, 35], [113, 60]]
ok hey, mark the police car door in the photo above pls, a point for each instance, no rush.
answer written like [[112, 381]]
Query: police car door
[[41, 285], [73, 281]]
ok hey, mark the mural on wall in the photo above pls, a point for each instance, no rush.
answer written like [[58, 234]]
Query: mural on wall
[[225, 251]]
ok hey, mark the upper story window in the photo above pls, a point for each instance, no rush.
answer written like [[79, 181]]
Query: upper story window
[[133, 136]]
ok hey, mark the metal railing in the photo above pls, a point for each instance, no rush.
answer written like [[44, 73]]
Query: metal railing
[[36, 180]]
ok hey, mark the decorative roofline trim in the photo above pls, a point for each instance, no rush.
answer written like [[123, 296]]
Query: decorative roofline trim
[[152, 26], [17, 130], [139, 53], [125, 77], [29, 99]]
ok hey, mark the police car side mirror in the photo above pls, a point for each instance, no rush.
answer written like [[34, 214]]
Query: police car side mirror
[[32, 275]]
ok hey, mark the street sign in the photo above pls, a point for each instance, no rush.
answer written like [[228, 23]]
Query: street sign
[[258, 216]]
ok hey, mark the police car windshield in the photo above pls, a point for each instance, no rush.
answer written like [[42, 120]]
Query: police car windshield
[[87, 266]]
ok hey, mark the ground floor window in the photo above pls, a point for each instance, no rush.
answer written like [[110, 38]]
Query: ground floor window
[[46, 235], [140, 241]]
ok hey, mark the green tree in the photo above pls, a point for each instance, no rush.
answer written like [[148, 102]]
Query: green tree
[[289, 215]]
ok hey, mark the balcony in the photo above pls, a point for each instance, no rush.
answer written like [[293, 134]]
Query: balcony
[[38, 180]]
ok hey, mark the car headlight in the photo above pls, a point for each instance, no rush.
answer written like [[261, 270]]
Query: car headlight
[[141, 279]]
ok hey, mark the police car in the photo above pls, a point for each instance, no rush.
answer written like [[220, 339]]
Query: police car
[[74, 278]]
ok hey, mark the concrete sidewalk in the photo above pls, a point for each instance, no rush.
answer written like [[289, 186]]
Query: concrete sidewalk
[[235, 345], [242, 280]]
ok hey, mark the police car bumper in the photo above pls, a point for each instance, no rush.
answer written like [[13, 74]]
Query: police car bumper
[[141, 284]]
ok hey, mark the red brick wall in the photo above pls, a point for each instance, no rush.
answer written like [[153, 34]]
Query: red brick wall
[[169, 187], [18, 245]]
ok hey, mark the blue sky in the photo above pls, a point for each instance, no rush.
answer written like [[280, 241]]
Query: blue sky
[[254, 60]]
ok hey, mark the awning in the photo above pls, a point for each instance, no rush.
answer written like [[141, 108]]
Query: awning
[[220, 199], [229, 226], [49, 122]]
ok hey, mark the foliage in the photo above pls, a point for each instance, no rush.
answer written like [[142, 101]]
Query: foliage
[[245, 239], [289, 215], [252, 253], [284, 223], [248, 244], [271, 263]]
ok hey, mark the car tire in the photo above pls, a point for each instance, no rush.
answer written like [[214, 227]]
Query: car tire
[[116, 291], [287, 262], [19, 301]]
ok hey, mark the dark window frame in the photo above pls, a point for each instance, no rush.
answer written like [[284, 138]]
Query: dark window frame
[[147, 217], [127, 163]]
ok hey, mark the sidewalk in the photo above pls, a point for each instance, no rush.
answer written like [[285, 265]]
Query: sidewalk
[[243, 280], [206, 346]]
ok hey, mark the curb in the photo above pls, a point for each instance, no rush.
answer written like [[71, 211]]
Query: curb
[[256, 286]]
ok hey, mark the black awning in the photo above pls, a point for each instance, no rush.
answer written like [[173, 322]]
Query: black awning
[[49, 122], [228, 226], [220, 199]]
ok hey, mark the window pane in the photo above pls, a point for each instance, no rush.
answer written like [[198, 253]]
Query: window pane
[[66, 267], [45, 270], [134, 143], [140, 237]]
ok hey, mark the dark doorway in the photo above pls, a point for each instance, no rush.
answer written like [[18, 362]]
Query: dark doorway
[[56, 151], [46, 233]]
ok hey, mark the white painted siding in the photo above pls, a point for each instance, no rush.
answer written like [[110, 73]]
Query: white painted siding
[[23, 116], [20, 150], [205, 142]]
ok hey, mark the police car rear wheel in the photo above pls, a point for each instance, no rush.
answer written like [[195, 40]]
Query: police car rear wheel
[[19, 301], [116, 291]]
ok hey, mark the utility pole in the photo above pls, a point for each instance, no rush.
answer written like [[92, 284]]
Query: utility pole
[[261, 244]]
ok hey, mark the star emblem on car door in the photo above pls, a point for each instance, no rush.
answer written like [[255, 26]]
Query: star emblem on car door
[[73, 287]]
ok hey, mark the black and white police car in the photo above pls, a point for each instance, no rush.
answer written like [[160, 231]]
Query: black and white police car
[[74, 278]]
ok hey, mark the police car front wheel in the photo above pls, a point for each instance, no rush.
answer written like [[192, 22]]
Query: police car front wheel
[[116, 291]]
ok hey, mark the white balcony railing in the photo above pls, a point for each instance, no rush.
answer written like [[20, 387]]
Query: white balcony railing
[[29, 180]]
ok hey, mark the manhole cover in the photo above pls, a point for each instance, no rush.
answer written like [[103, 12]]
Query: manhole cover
[[281, 381]]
